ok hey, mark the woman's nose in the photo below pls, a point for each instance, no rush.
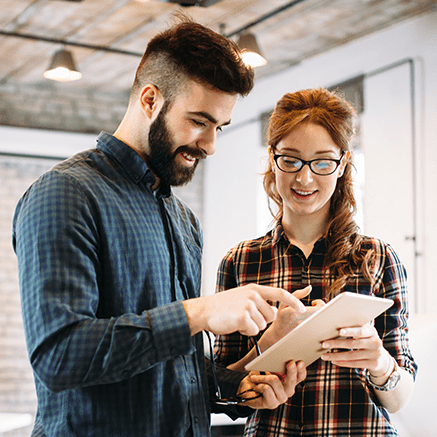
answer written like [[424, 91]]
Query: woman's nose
[[304, 175]]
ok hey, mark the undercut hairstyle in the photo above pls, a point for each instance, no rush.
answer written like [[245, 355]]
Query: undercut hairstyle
[[319, 106], [189, 51]]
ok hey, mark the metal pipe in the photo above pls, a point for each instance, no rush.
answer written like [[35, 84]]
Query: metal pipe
[[265, 17], [69, 43]]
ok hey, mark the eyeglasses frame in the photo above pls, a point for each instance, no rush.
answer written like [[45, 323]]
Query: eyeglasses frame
[[238, 399], [304, 163]]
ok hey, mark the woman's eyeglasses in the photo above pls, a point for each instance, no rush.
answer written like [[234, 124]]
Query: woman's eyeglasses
[[321, 167], [238, 398]]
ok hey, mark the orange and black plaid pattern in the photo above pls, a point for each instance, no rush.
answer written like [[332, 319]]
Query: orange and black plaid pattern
[[332, 401]]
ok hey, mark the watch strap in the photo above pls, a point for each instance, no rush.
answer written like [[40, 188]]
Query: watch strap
[[391, 382]]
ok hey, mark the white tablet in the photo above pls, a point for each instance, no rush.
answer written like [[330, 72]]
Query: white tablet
[[305, 341]]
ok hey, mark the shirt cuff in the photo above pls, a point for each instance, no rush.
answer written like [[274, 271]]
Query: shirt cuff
[[171, 332]]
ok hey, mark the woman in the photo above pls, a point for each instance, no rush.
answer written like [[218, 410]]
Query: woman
[[315, 241]]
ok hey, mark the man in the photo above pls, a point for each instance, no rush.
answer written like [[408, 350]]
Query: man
[[110, 261]]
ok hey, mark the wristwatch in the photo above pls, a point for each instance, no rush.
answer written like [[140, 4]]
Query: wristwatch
[[392, 380]]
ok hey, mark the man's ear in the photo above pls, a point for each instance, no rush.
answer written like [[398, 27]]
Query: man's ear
[[151, 100]]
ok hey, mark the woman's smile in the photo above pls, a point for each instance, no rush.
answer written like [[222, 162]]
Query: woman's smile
[[303, 194]]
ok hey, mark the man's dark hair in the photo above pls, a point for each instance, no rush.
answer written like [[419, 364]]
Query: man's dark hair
[[190, 51]]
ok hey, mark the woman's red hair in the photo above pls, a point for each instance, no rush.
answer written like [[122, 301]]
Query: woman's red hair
[[343, 241]]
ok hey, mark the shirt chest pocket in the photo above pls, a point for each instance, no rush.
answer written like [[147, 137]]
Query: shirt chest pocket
[[189, 267]]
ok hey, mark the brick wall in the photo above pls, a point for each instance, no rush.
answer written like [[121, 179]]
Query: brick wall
[[17, 393], [60, 107]]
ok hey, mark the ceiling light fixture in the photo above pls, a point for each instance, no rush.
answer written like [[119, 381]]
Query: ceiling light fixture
[[62, 67], [129, 53], [251, 52]]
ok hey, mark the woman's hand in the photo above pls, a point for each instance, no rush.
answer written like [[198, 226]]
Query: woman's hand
[[288, 318], [363, 349]]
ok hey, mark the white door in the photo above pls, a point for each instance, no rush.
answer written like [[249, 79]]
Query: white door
[[388, 151]]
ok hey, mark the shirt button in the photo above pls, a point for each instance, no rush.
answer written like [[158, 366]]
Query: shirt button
[[193, 380], [195, 419]]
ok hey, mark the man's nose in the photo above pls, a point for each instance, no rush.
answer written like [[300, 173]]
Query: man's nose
[[207, 141]]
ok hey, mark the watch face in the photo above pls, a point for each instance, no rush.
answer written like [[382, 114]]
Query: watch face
[[393, 380]]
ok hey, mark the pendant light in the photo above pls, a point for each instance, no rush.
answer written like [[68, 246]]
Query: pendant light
[[62, 67], [251, 52]]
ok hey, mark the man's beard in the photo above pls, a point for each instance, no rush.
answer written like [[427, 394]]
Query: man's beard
[[161, 157]]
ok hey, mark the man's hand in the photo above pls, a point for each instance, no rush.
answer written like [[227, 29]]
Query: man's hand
[[275, 389], [244, 309]]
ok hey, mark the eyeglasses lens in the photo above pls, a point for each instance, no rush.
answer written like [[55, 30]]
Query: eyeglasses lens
[[322, 167]]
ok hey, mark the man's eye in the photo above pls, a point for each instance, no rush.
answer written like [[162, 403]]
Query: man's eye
[[199, 123]]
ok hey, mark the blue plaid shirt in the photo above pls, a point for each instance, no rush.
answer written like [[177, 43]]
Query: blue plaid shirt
[[104, 263]]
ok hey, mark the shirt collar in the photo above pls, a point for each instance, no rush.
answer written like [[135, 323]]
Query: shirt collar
[[131, 162], [279, 234]]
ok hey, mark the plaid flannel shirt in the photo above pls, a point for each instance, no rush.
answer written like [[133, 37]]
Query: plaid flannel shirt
[[332, 401], [102, 278]]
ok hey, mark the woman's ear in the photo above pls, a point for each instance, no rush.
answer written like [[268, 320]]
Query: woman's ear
[[343, 164], [271, 152]]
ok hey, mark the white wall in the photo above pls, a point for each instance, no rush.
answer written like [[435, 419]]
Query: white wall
[[229, 214], [230, 193], [43, 142]]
